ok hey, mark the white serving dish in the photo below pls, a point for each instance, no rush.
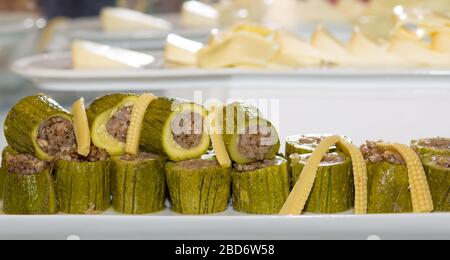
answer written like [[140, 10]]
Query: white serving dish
[[228, 225], [90, 29], [53, 72]]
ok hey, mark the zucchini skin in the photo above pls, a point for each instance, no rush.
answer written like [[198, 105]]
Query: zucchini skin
[[100, 105], [334, 188], [262, 191], [3, 171], [292, 147], [28, 194], [138, 187], [424, 151], [231, 130], [152, 135], [439, 182], [388, 188], [83, 187], [25, 118], [198, 191]]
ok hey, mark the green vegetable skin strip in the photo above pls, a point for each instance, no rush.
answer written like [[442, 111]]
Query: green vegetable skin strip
[[234, 115], [262, 191], [198, 191], [333, 191], [439, 181], [388, 188], [24, 119], [138, 186], [157, 134], [83, 187]]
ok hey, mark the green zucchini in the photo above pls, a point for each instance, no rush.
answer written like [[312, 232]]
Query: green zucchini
[[27, 122], [198, 186], [388, 188], [164, 130], [305, 144], [333, 190], [138, 184], [432, 146], [83, 187], [3, 170], [262, 187], [28, 185], [103, 114], [248, 136], [437, 168]]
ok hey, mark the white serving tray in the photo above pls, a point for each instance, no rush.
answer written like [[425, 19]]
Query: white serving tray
[[53, 72], [228, 225], [90, 29]]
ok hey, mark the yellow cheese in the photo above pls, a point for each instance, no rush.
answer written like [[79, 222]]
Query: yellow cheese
[[370, 53], [332, 48], [240, 47], [114, 19], [81, 128], [180, 50], [417, 52], [89, 55], [294, 52], [441, 42], [216, 133], [198, 14]]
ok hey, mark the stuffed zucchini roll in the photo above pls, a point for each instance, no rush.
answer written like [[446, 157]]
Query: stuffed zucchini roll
[[433, 146], [198, 186], [39, 126], [110, 119], [176, 129], [333, 190], [305, 144], [388, 181], [83, 183], [437, 168], [248, 136], [29, 185], [138, 183], [261, 187]]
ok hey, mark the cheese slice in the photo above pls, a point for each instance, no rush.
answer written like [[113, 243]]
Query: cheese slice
[[198, 14], [181, 51], [416, 51], [90, 55], [441, 42], [114, 19], [371, 54], [332, 48], [295, 52], [238, 48]]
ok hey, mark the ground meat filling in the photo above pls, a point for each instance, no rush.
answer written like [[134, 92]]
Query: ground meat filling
[[437, 143], [139, 157], [374, 154], [198, 164], [310, 140], [119, 123], [252, 144], [56, 135], [187, 129], [328, 159], [25, 164], [95, 155], [255, 166], [442, 161]]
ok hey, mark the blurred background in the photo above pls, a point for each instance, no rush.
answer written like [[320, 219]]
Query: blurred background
[[30, 27]]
